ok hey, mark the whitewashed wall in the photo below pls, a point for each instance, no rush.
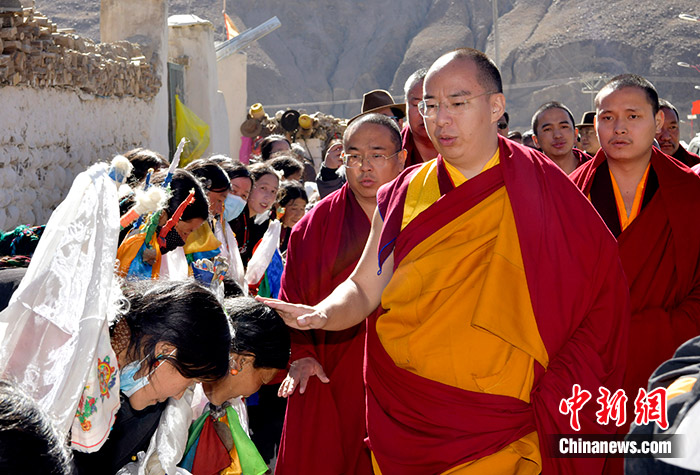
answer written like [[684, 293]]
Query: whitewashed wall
[[49, 135], [191, 43], [232, 75]]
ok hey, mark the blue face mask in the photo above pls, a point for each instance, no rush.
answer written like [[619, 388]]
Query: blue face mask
[[233, 206], [127, 384]]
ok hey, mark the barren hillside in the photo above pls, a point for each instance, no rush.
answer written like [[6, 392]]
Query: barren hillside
[[332, 51]]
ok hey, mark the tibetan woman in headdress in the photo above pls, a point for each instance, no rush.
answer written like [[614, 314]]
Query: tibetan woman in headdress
[[140, 254]]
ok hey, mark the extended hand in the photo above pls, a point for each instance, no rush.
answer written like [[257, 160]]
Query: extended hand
[[298, 316], [299, 373]]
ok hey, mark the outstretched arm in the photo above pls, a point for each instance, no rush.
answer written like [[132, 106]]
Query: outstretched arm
[[352, 301]]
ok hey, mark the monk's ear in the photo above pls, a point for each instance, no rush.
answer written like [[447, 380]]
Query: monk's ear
[[498, 106], [401, 157], [659, 120], [163, 219], [537, 142]]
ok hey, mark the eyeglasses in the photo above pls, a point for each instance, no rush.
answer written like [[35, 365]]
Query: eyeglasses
[[429, 109], [377, 160]]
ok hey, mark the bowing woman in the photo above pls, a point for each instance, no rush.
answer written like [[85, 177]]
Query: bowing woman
[[173, 335], [260, 346], [100, 359]]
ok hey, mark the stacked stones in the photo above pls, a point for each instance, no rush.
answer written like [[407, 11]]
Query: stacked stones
[[34, 52]]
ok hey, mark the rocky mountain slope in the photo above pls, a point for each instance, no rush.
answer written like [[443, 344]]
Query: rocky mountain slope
[[327, 52]]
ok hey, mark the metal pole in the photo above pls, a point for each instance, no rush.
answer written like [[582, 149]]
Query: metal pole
[[244, 39], [497, 54]]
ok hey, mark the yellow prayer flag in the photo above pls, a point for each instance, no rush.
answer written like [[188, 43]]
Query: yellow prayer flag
[[187, 124]]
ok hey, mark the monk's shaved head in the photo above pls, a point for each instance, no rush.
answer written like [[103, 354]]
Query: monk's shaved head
[[631, 80], [488, 75], [377, 119]]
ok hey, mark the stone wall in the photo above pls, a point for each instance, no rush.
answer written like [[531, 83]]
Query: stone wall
[[66, 102], [35, 53]]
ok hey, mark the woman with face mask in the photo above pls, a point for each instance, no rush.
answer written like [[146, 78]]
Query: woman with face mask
[[260, 345], [241, 185], [90, 351], [171, 336], [215, 182], [235, 202], [186, 210]]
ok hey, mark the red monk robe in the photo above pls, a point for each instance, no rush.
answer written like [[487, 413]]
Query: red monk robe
[[324, 428], [687, 158], [572, 282], [413, 156], [660, 253]]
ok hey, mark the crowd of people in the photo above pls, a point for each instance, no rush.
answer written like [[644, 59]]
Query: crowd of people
[[426, 298]]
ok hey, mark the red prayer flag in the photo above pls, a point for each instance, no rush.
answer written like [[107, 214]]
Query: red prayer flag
[[696, 108], [231, 30]]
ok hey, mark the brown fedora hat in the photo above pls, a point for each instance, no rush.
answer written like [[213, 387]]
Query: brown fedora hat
[[587, 119], [251, 128], [374, 101]]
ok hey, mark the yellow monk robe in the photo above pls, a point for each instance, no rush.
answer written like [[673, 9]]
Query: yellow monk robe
[[472, 267]]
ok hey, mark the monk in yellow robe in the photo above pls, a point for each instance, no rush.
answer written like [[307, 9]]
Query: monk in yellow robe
[[499, 289]]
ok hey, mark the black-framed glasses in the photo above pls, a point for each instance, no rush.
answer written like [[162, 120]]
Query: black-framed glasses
[[502, 125], [377, 160], [455, 106]]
